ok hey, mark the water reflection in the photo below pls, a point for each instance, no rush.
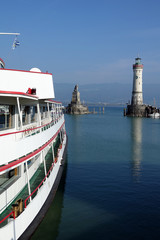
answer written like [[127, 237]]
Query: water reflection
[[49, 227], [136, 137], [76, 123]]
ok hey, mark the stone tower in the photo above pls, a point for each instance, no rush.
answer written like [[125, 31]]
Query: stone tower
[[75, 107], [76, 96], [137, 94]]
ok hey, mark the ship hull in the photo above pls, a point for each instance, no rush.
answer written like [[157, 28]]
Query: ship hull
[[26, 223], [37, 220]]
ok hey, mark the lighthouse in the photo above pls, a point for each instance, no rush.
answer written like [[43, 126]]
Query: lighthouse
[[137, 108], [137, 93]]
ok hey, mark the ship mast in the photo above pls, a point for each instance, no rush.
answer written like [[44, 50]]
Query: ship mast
[[16, 42]]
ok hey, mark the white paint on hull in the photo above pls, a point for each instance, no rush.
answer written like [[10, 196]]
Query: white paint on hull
[[15, 228]]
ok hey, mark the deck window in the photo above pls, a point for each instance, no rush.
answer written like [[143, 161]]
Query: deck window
[[33, 111], [30, 162], [6, 178], [44, 112], [29, 114], [25, 115], [7, 116]]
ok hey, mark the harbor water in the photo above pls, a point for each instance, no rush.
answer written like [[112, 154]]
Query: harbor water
[[110, 188]]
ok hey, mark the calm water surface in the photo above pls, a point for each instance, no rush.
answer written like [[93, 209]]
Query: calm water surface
[[111, 184]]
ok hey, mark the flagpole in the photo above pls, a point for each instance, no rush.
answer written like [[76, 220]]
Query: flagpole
[[10, 34]]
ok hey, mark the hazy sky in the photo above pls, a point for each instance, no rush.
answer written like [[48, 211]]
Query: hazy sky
[[83, 41]]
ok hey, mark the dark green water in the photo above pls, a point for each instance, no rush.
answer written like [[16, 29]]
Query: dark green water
[[111, 185]]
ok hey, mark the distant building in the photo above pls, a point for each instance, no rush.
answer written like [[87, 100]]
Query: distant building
[[76, 107]]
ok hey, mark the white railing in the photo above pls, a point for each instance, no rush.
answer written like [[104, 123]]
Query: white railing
[[12, 149]]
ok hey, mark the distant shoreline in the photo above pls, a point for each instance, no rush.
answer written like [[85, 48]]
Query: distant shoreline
[[100, 104]]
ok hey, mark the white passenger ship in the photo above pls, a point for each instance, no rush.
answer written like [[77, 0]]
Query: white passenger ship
[[32, 149]]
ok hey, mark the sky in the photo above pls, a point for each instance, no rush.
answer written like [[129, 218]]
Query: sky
[[83, 41]]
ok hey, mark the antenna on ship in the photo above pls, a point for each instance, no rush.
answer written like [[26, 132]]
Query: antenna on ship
[[16, 42]]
